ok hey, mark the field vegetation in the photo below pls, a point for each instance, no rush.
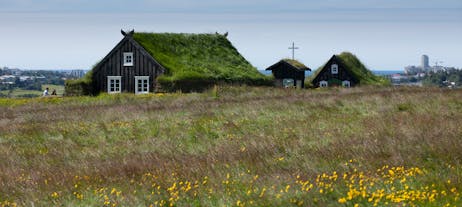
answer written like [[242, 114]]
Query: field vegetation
[[234, 146]]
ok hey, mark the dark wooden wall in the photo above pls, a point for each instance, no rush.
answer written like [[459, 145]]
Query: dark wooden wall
[[284, 70], [112, 65]]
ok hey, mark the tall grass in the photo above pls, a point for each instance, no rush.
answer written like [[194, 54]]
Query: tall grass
[[234, 146]]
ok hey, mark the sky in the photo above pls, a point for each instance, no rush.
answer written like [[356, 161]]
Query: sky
[[384, 34]]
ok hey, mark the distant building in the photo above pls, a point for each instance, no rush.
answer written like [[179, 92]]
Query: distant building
[[437, 68], [424, 67], [411, 70], [425, 63], [77, 73]]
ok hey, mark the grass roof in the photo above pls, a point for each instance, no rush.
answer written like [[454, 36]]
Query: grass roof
[[357, 69], [197, 55], [296, 64]]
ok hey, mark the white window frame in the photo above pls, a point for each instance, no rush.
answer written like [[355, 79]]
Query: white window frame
[[323, 84], [128, 59], [115, 78], [346, 83], [334, 68], [136, 84]]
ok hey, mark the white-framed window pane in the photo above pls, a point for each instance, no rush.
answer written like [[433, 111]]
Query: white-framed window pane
[[141, 84], [114, 84], [334, 69], [128, 59]]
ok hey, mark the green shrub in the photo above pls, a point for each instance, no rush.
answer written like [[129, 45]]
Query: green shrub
[[193, 82], [405, 107], [80, 87]]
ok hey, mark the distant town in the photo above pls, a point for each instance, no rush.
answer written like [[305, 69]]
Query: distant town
[[425, 74], [16, 82]]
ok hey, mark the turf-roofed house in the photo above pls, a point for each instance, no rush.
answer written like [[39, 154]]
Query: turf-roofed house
[[345, 70], [289, 73], [148, 62]]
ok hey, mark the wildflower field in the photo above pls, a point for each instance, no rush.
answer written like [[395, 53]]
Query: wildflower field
[[235, 146]]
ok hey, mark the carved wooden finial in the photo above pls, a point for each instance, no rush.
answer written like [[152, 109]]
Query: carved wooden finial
[[130, 33]]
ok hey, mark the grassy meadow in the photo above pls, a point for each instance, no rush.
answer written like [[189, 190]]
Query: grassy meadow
[[235, 146], [18, 92]]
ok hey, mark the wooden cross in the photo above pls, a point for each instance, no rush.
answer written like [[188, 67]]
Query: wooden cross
[[293, 48]]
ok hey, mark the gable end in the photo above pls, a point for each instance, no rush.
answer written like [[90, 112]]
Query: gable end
[[342, 73], [143, 64]]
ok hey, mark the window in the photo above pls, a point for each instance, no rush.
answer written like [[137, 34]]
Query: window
[[141, 84], [128, 59], [346, 84], [334, 68], [323, 84], [114, 84], [288, 82]]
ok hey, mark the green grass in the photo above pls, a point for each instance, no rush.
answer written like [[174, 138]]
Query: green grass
[[20, 92], [234, 146]]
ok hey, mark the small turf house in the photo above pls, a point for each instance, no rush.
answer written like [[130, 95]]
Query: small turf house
[[334, 73], [345, 70], [289, 73], [145, 62]]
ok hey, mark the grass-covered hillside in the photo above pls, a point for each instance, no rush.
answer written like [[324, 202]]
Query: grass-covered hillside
[[199, 56], [235, 147]]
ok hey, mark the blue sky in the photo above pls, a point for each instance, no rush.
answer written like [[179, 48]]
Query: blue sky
[[385, 34]]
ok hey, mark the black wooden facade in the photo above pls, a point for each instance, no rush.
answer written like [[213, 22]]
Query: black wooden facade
[[334, 73], [289, 70], [113, 65]]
